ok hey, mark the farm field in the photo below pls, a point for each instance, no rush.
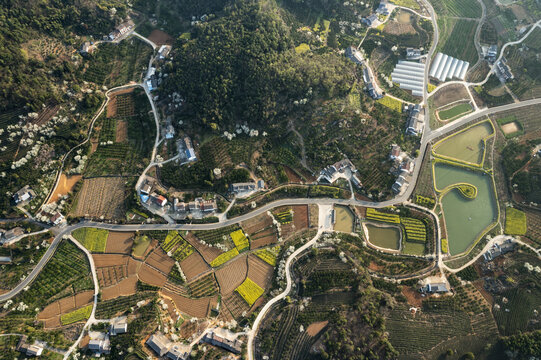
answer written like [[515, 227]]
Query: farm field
[[140, 245], [249, 291], [151, 276], [533, 222], [269, 255], [158, 259], [225, 257], [456, 39], [125, 287], [77, 315], [449, 94], [203, 287], [193, 265], [458, 8], [454, 112], [391, 103], [193, 307], [51, 314], [65, 185], [95, 240], [101, 197], [259, 271], [515, 222], [231, 276], [110, 308], [119, 242], [466, 145]]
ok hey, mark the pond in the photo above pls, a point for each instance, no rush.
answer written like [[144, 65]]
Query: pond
[[344, 219], [387, 237], [465, 219], [467, 145]]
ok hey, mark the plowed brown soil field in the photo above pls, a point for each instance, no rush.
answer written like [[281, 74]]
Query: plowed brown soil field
[[119, 242], [127, 286], [193, 266], [208, 253], [231, 276], [193, 307], [151, 276], [159, 259], [259, 271]]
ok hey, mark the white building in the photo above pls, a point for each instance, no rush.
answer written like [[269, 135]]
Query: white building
[[445, 67]]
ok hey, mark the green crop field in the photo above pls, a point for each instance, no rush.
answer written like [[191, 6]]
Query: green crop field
[[93, 239], [456, 39], [515, 222], [269, 255], [140, 245], [77, 315], [455, 111], [458, 8]]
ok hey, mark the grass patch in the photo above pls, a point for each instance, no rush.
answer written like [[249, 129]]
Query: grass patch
[[391, 103], [454, 111], [75, 316], [249, 291], [430, 87], [93, 239], [140, 245], [515, 222], [302, 48]]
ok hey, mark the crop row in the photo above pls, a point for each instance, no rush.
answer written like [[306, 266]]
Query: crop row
[[225, 257], [205, 286], [269, 255], [284, 217], [240, 240], [183, 251], [172, 239], [374, 214]]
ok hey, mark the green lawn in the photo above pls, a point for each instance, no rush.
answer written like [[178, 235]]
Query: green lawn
[[140, 245], [94, 240], [515, 222], [454, 111], [413, 248]]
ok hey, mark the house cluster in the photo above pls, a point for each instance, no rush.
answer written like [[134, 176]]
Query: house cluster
[[198, 205], [28, 349], [413, 54], [121, 30], [24, 195], [502, 70], [373, 18], [435, 288], [416, 120], [224, 339], [341, 169], [246, 189], [87, 48], [498, 250], [52, 217], [374, 94], [161, 345], [10, 236], [100, 342], [403, 167], [490, 53]]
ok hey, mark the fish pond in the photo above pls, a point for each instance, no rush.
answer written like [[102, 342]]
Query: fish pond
[[383, 236], [344, 219], [467, 145], [465, 219]]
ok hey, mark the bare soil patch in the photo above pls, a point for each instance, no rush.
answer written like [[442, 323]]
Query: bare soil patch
[[107, 260], [111, 275], [300, 217], [265, 238], [413, 297], [84, 298], [404, 17], [235, 304], [121, 131], [510, 128], [102, 196], [256, 224], [259, 271], [232, 275], [314, 328], [119, 242], [50, 315], [292, 175], [449, 94], [519, 12], [396, 28], [125, 287], [194, 307], [151, 276], [65, 184], [193, 266], [161, 38], [133, 266], [159, 260]]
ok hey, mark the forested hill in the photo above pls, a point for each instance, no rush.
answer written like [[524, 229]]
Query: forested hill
[[27, 81], [242, 67]]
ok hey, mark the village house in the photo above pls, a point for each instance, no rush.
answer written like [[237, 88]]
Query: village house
[[415, 120], [436, 288], [100, 346], [498, 250], [190, 153], [396, 153], [399, 184], [159, 200], [5, 260], [86, 48], [382, 9], [118, 328], [146, 188], [223, 339], [23, 195], [370, 20], [354, 55], [179, 206], [159, 343], [29, 350], [413, 54], [240, 189], [179, 352], [164, 51], [407, 166], [492, 53], [503, 71], [122, 29]]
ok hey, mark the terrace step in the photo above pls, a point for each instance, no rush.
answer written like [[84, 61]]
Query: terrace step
[[174, 288]]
